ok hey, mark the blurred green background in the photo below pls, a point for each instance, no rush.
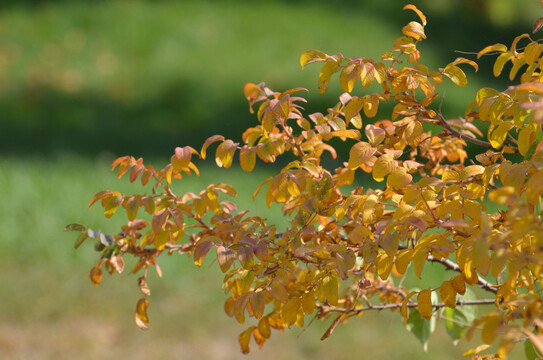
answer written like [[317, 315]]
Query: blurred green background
[[82, 82]]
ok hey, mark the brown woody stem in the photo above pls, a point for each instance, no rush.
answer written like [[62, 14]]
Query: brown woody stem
[[459, 135]]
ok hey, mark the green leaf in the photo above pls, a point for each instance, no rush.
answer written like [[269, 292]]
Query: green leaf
[[421, 328], [75, 227], [81, 239], [530, 351]]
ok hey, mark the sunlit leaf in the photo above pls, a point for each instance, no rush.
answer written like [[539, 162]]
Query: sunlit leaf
[[312, 56]]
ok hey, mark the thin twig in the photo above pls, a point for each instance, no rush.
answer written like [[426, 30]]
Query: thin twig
[[458, 134], [327, 308]]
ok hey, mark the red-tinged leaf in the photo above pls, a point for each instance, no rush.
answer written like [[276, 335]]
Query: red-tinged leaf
[[159, 219], [208, 142], [119, 160], [538, 25], [177, 216], [492, 48], [149, 172], [141, 317], [118, 263], [99, 196], [277, 291], [247, 158], [246, 257], [252, 91], [419, 13], [132, 205], [95, 274], [144, 288], [257, 300], [225, 257], [312, 56], [149, 204], [181, 159], [244, 339], [201, 250], [414, 30], [136, 171]]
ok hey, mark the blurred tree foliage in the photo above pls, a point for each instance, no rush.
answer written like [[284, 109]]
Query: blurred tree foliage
[[41, 116]]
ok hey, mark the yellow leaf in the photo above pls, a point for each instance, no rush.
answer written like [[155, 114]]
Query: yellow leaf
[[471, 170], [458, 284], [348, 133], [500, 63], [403, 258], [349, 75], [326, 73], [462, 60], [470, 276], [502, 195], [485, 93], [384, 265], [525, 139], [456, 75], [259, 338], [278, 291], [375, 134], [95, 274], [161, 239], [492, 48], [99, 196], [353, 108], [499, 134], [371, 105], [379, 72], [345, 260], [308, 302], [403, 309], [399, 178], [141, 313], [289, 311], [414, 30], [225, 153], [532, 52], [111, 205], [264, 327], [330, 288], [312, 56], [424, 303], [367, 75], [210, 141], [448, 294], [419, 259], [359, 154], [382, 167], [490, 327], [244, 339], [413, 133]]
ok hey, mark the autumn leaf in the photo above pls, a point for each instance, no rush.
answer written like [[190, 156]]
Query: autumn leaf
[[424, 303]]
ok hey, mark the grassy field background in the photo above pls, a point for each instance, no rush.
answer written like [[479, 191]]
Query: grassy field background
[[82, 82]]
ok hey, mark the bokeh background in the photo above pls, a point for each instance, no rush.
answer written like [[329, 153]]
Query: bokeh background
[[83, 82]]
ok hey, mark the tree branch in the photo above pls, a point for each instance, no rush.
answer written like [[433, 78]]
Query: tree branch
[[475, 141], [327, 308]]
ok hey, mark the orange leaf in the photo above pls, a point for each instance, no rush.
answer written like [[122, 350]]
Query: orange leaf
[[419, 13], [424, 303], [96, 274], [141, 313]]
